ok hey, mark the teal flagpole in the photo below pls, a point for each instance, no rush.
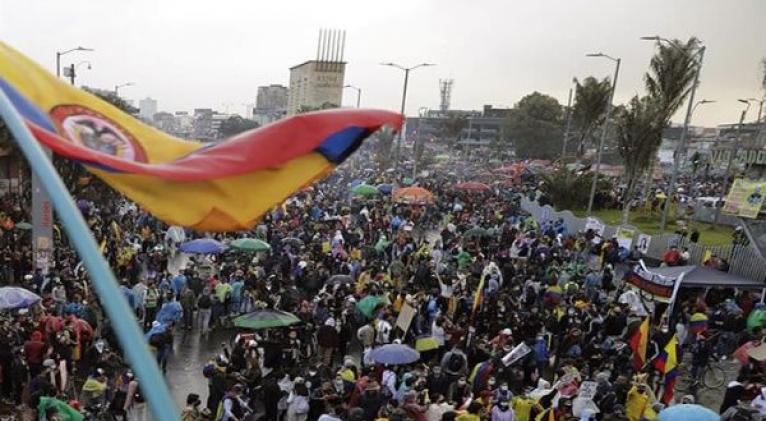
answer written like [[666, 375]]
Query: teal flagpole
[[120, 315]]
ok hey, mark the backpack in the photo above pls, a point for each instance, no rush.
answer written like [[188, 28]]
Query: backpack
[[455, 363], [204, 302]]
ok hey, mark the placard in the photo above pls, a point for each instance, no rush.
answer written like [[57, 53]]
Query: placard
[[643, 243], [625, 237], [517, 353], [406, 315]]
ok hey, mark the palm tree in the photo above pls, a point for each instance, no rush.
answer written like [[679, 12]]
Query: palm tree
[[591, 99], [639, 133], [671, 75]]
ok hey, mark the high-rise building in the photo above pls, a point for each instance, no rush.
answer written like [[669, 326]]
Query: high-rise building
[[271, 104], [147, 108], [318, 84]]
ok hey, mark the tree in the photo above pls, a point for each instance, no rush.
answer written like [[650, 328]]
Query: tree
[[112, 98], [638, 132], [671, 76], [235, 125], [591, 99], [564, 189], [453, 127], [535, 127]]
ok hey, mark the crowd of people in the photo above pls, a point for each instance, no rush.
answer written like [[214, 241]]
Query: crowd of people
[[514, 319]]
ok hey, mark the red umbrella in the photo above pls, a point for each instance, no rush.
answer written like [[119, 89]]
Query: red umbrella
[[472, 187]]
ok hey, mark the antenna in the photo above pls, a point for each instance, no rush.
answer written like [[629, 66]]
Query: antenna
[[319, 43], [343, 46], [445, 92]]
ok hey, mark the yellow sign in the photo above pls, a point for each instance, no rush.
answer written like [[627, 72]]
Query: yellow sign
[[745, 198]]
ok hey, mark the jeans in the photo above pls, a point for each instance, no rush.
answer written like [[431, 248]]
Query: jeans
[[204, 319]]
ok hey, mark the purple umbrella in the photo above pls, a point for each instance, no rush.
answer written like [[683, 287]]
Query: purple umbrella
[[12, 298]]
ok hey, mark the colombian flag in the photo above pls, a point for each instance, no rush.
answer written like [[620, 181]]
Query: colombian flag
[[480, 374], [667, 364], [638, 343], [209, 187], [698, 323]]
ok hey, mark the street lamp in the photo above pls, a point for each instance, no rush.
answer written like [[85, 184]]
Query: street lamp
[[406, 71], [605, 128], [71, 70], [680, 147], [117, 87], [729, 164], [701, 102], [358, 94], [569, 121], [61, 53]]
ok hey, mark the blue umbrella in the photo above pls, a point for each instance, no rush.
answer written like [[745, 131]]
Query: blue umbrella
[[12, 298], [394, 354], [386, 188], [203, 246], [687, 412], [356, 182]]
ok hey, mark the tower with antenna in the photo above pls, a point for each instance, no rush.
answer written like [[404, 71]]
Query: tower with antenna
[[445, 93], [317, 84]]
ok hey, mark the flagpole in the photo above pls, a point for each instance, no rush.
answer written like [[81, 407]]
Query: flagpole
[[120, 315]]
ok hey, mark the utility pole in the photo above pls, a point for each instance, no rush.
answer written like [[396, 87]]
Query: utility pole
[[729, 164], [605, 129], [569, 125]]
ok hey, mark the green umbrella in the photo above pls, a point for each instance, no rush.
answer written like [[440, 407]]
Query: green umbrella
[[368, 304], [24, 226], [475, 232], [266, 318], [408, 181], [65, 412], [365, 190], [250, 244]]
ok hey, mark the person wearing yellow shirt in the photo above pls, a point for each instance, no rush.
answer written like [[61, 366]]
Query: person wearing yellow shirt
[[472, 413], [638, 400]]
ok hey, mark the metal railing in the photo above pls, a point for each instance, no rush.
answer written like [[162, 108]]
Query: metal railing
[[743, 260]]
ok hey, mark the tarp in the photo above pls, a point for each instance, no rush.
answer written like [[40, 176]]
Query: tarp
[[703, 277]]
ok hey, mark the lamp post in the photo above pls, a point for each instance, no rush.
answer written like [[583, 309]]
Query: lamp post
[[680, 147], [732, 152], [61, 53], [569, 122], [72, 69], [605, 129], [122, 85], [358, 94], [406, 71]]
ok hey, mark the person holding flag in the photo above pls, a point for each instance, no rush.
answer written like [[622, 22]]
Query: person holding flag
[[639, 342]]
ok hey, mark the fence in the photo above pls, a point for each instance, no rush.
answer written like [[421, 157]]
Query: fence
[[743, 260]]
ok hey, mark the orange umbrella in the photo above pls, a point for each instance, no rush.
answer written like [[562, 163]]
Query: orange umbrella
[[472, 186], [413, 196]]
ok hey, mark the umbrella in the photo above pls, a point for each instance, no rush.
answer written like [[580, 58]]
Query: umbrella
[[24, 226], [203, 246], [356, 182], [266, 318], [475, 232], [386, 188], [687, 412], [64, 411], [250, 244], [413, 195], [340, 279], [368, 304], [394, 354], [472, 187], [176, 234], [295, 242], [426, 343], [13, 297], [365, 190], [408, 181]]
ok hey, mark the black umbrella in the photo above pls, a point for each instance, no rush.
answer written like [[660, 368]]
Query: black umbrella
[[340, 279]]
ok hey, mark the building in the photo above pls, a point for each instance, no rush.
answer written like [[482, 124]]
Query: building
[[271, 104], [318, 84], [147, 108], [479, 128]]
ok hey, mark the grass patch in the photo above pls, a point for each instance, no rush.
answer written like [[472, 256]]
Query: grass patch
[[712, 235]]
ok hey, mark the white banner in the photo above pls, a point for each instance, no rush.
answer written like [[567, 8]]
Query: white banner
[[516, 354]]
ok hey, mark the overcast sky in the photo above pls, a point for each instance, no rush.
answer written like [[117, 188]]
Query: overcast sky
[[189, 54]]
